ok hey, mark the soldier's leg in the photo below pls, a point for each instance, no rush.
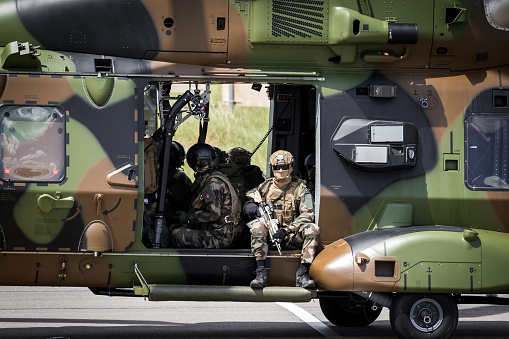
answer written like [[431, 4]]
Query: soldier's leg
[[311, 233], [188, 237], [308, 237], [225, 234], [259, 248], [259, 245]]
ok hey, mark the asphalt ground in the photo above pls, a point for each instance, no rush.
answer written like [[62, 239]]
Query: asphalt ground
[[63, 312]]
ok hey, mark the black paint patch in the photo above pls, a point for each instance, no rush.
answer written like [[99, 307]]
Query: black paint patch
[[363, 240], [359, 187], [120, 28]]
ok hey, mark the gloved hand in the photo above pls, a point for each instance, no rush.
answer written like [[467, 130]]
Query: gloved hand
[[251, 209], [281, 234], [182, 216]]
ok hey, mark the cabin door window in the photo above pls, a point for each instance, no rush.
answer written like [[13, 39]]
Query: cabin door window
[[487, 152], [32, 143]]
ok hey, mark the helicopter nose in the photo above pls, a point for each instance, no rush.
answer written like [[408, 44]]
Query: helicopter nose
[[332, 268]]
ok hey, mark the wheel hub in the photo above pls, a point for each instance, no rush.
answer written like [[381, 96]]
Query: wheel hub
[[426, 315]]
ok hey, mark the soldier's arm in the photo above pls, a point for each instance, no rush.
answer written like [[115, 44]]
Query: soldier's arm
[[306, 211], [212, 195]]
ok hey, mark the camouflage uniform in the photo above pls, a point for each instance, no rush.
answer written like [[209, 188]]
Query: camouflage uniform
[[289, 210], [214, 220]]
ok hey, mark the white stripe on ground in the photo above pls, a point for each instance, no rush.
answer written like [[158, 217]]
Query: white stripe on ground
[[310, 319]]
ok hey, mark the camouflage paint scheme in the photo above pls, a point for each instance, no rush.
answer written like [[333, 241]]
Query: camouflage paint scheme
[[337, 47]]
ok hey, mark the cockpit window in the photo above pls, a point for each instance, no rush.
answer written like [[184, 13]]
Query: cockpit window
[[497, 13], [487, 152], [32, 143]]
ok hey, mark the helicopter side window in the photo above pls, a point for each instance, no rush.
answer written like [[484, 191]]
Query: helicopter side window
[[32, 143], [487, 152]]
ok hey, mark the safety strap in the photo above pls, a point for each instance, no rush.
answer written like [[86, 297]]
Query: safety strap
[[203, 129]]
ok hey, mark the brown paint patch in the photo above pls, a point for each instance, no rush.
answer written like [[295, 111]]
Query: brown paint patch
[[184, 30], [332, 268], [448, 93], [117, 206], [238, 47], [335, 221], [499, 202], [3, 83], [452, 95], [42, 89]]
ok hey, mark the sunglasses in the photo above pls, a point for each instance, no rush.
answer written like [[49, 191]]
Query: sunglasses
[[280, 167]]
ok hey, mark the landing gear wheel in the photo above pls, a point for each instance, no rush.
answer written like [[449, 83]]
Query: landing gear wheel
[[349, 312], [424, 316]]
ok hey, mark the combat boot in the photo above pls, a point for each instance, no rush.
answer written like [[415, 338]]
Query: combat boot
[[302, 278], [260, 281]]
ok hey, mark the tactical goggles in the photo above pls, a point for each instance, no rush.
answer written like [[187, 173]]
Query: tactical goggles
[[308, 167], [283, 167]]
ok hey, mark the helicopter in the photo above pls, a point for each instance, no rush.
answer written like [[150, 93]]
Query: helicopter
[[405, 105]]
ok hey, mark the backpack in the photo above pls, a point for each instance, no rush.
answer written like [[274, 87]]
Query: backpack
[[151, 164], [237, 180]]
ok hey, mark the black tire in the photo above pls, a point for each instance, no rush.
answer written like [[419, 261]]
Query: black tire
[[348, 312], [424, 316]]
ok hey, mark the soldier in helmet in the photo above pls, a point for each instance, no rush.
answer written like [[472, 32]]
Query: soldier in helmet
[[240, 159], [179, 184], [178, 191], [293, 207], [309, 163], [214, 221], [239, 156]]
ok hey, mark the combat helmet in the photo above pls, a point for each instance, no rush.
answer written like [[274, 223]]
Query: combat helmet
[[201, 155], [177, 154], [309, 162], [281, 157], [221, 156], [239, 155]]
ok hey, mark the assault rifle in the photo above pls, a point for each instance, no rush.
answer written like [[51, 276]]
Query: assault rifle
[[265, 211]]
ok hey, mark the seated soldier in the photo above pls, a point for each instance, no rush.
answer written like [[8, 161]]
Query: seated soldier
[[294, 211], [252, 174], [178, 192], [214, 220]]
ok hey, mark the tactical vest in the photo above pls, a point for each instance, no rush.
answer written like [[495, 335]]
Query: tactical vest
[[286, 209]]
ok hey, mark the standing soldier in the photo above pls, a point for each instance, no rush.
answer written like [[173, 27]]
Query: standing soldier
[[214, 221], [293, 208]]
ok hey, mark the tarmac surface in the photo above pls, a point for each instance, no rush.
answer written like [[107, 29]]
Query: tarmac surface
[[64, 312]]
